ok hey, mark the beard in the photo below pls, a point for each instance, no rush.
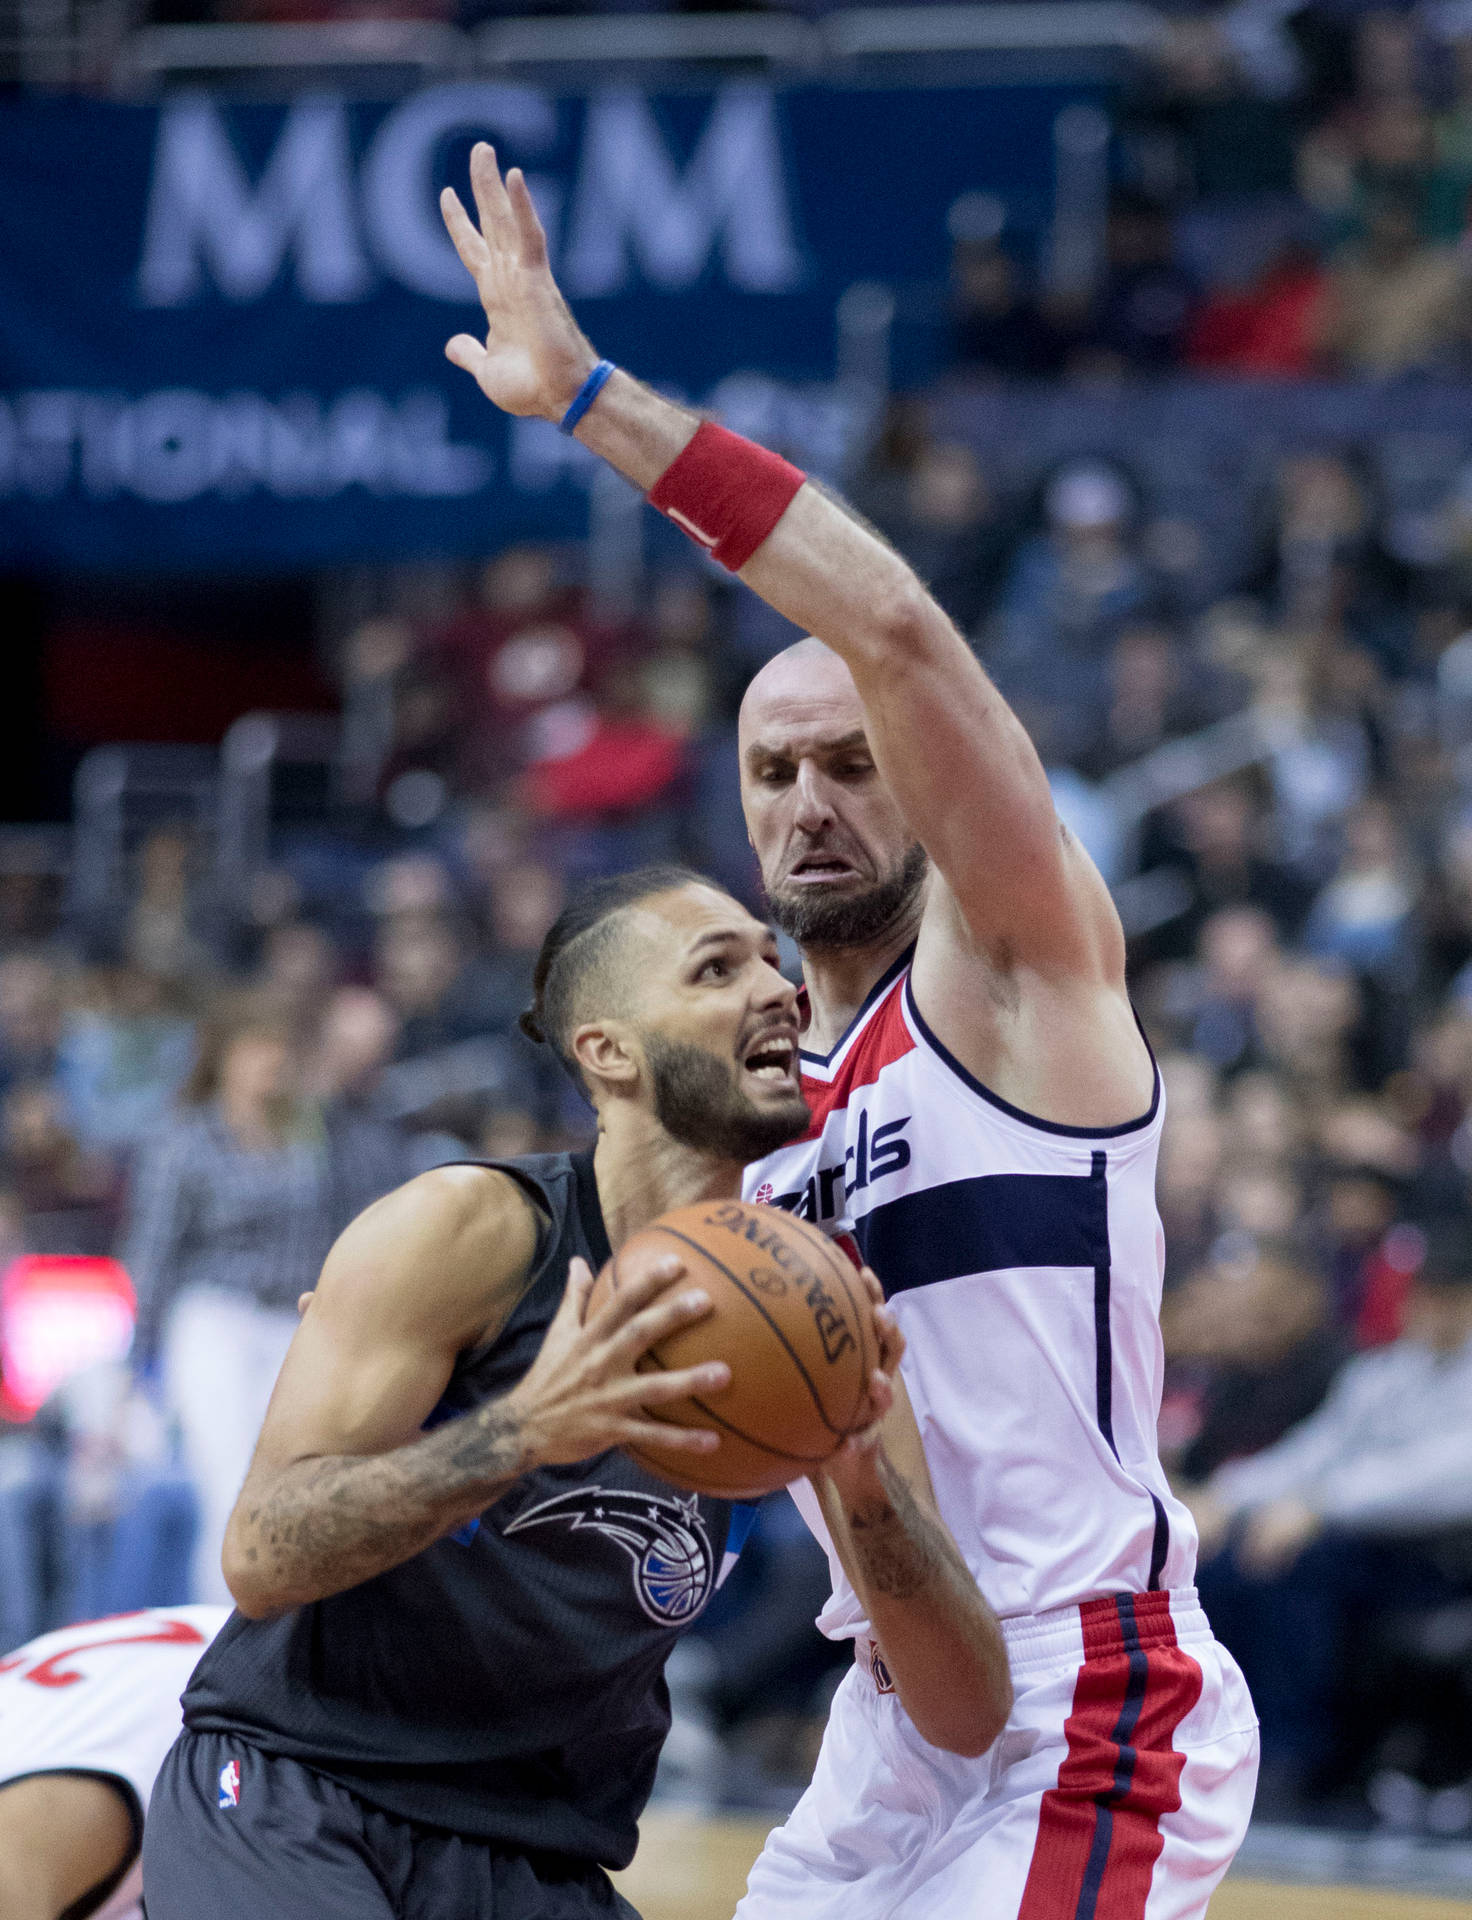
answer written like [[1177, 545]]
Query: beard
[[857, 920], [697, 1102]]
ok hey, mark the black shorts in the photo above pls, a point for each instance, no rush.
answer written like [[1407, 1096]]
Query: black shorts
[[275, 1838]]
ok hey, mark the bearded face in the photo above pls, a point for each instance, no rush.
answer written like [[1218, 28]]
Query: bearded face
[[850, 916], [698, 1100]]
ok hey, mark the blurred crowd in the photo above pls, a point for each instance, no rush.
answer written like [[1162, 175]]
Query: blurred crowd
[[1290, 200]]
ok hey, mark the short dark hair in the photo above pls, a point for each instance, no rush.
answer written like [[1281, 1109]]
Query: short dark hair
[[580, 939]]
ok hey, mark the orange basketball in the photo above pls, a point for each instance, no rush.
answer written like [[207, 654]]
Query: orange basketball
[[792, 1321]]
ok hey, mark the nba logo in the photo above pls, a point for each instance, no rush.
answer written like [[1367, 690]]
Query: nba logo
[[230, 1784], [763, 1194]]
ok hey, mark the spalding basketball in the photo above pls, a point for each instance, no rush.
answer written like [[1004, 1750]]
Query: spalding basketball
[[790, 1317]]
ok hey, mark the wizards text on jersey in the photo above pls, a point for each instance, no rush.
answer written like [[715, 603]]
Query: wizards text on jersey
[[873, 1156]]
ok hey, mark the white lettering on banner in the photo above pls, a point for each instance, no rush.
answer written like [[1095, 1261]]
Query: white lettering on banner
[[209, 228], [179, 444], [203, 214], [633, 207], [400, 207]]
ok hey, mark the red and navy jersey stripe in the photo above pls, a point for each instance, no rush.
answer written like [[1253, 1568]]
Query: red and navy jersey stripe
[[1099, 1830]]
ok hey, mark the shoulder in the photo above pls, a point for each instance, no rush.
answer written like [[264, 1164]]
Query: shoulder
[[453, 1241], [452, 1205]]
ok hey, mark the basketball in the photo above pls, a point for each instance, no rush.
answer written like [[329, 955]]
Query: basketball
[[790, 1318]]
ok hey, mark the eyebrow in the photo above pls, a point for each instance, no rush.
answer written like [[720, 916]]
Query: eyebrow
[[764, 749], [723, 937]]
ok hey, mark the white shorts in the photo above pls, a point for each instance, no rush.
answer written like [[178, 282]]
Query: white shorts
[[1120, 1788], [103, 1698]]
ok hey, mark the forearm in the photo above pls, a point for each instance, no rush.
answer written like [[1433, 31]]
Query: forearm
[[821, 567], [322, 1525], [940, 1640]]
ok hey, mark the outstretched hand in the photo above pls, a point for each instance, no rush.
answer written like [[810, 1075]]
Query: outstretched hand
[[535, 356]]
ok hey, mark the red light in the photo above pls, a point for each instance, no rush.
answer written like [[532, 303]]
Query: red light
[[58, 1314]]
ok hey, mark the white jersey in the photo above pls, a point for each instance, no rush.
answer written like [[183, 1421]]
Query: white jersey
[[103, 1698], [1023, 1262]]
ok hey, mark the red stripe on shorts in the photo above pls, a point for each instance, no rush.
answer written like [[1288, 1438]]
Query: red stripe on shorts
[[1099, 1829]]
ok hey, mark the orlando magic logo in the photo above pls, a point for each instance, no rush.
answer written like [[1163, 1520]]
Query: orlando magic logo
[[664, 1536]]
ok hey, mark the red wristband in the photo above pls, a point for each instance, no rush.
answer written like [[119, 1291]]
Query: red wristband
[[726, 493]]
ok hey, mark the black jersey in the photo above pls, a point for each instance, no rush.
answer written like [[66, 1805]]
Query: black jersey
[[508, 1682]]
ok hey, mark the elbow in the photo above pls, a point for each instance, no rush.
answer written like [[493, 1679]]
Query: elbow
[[970, 1724], [903, 624], [252, 1595]]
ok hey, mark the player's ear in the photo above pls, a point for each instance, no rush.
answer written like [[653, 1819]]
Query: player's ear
[[607, 1053]]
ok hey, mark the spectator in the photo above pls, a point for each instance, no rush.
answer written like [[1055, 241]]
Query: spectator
[[944, 520], [68, 1196], [1252, 1327], [1395, 303], [229, 1216], [1270, 329], [30, 1017], [528, 650], [996, 327], [367, 1156], [1362, 916], [1340, 1517], [124, 1052], [159, 935], [1239, 958], [1070, 589], [1141, 314]]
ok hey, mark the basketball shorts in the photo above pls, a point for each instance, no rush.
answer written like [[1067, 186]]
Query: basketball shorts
[[234, 1831], [1120, 1788]]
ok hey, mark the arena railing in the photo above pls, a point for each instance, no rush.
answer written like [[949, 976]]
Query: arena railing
[[775, 41]]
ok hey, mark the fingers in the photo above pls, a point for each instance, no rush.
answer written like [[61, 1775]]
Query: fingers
[[659, 1389], [871, 1285], [669, 1438], [497, 222], [881, 1395], [467, 353], [471, 248], [573, 1309], [655, 1323], [529, 227], [631, 1296], [891, 1340]]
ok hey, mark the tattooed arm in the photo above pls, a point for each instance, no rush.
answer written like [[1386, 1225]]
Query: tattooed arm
[[940, 1640], [344, 1483]]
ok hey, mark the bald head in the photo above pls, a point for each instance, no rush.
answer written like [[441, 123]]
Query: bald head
[[807, 677]]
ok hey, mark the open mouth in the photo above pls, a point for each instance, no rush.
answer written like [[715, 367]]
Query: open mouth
[[814, 868], [773, 1060]]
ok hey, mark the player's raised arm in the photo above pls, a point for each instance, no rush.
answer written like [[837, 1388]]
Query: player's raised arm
[[958, 761], [345, 1484], [939, 1638]]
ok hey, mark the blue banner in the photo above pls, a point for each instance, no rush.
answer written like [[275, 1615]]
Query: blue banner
[[222, 323]]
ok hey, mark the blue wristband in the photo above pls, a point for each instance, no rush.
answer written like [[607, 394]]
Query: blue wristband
[[587, 393]]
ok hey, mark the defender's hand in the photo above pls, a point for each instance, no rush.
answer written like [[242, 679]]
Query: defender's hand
[[582, 1394], [535, 356]]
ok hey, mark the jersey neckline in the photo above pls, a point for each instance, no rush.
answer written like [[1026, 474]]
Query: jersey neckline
[[590, 1208], [886, 980], [1019, 1113]]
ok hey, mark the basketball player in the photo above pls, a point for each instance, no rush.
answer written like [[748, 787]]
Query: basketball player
[[987, 1114], [86, 1715], [443, 1692]]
